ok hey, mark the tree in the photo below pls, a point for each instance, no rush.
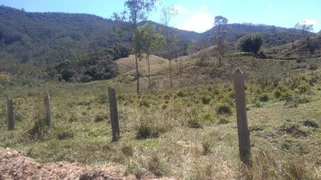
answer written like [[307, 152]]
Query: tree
[[305, 28], [219, 35], [167, 14], [148, 41], [250, 43], [135, 12]]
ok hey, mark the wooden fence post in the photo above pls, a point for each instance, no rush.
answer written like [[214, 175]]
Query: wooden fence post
[[242, 126], [47, 109], [113, 113], [10, 114]]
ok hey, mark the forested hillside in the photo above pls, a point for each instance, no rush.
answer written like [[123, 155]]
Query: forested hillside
[[60, 41]]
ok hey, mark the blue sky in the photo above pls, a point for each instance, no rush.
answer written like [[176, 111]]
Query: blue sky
[[195, 15]]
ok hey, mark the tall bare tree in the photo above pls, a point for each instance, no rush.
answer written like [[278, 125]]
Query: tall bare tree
[[135, 12], [219, 35], [306, 29], [167, 13]]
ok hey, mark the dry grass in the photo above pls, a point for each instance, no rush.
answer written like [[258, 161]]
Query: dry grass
[[279, 139]]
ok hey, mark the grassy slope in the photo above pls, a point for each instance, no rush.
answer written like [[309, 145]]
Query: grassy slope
[[298, 49], [282, 145]]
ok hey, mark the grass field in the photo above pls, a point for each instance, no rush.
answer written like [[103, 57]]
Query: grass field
[[188, 132]]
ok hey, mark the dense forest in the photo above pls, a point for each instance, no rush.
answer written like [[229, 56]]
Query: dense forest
[[82, 47]]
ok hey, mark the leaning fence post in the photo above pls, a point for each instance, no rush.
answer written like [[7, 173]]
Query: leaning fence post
[[113, 113], [242, 126], [10, 114], [47, 107]]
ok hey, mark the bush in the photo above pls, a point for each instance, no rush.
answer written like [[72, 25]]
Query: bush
[[264, 98], [224, 109], [180, 94], [206, 99], [144, 103], [250, 43], [65, 134], [99, 118], [146, 131], [277, 94], [223, 121], [207, 146]]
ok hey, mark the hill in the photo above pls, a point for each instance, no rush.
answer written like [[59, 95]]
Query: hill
[[44, 39], [307, 47]]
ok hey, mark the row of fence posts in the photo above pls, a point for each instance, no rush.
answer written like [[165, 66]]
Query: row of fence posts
[[242, 125]]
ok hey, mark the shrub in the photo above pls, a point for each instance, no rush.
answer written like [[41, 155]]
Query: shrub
[[207, 146], [127, 150], [223, 121], [313, 67], [264, 98], [150, 129], [180, 94], [250, 43], [74, 117], [144, 103], [99, 118], [206, 99], [224, 109], [193, 120], [65, 134], [277, 94], [303, 88], [156, 166], [145, 131]]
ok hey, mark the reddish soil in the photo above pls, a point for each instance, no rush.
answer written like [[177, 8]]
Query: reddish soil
[[15, 165]]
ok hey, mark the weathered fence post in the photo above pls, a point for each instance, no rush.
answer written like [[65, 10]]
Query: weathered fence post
[[10, 114], [242, 126], [113, 113], [47, 107]]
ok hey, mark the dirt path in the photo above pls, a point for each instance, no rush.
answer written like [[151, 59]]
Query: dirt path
[[15, 165]]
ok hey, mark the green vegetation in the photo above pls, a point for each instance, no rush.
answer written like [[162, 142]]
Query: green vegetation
[[199, 121], [187, 122], [250, 43]]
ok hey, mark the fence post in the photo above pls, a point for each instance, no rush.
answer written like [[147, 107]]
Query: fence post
[[10, 114], [113, 113], [47, 109], [242, 126]]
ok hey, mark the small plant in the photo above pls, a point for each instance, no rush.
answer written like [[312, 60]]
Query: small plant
[[277, 94], [223, 121], [207, 146], [206, 99], [224, 109], [74, 117], [65, 134], [193, 120], [156, 166], [127, 150], [144, 103], [180, 93], [303, 88], [99, 118], [264, 98], [39, 131]]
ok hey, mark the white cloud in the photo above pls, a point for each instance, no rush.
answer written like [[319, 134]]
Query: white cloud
[[270, 6], [203, 8], [308, 22], [199, 21]]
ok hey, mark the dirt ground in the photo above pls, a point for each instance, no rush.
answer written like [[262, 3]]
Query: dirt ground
[[15, 165]]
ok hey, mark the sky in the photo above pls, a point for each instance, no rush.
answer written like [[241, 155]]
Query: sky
[[194, 15]]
